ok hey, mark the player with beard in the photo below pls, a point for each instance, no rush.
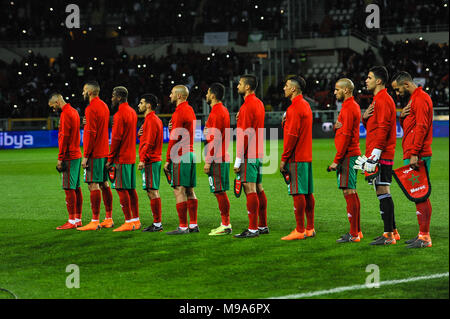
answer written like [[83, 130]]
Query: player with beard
[[297, 158], [150, 147], [180, 161], [69, 158], [96, 149], [122, 158], [217, 159], [417, 122], [347, 145], [380, 123], [249, 156]]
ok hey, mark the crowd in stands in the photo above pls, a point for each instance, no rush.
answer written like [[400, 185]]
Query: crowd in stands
[[26, 84], [34, 20], [395, 16], [35, 77]]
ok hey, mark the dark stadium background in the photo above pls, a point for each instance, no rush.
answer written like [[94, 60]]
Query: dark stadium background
[[150, 45]]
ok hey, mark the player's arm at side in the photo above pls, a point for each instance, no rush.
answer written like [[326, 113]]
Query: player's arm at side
[[144, 141], [291, 128], [116, 137], [64, 135], [90, 132], [243, 123]]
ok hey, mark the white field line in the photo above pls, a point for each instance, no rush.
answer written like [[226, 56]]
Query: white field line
[[357, 287]]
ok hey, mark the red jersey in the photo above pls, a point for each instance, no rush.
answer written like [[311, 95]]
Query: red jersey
[[218, 121], [183, 130], [250, 129], [382, 126], [123, 139], [151, 140], [346, 139], [69, 134], [418, 126], [297, 131], [96, 133]]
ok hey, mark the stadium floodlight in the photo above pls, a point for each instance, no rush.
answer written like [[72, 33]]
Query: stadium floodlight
[[24, 31], [51, 9], [26, 63], [19, 73]]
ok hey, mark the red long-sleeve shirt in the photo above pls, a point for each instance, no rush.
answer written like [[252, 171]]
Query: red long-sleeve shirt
[[418, 126], [96, 133], [218, 122], [297, 131], [69, 134], [382, 126], [250, 129], [123, 138], [183, 131], [346, 139], [151, 140]]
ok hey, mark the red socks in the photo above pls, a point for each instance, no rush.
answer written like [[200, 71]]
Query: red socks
[[192, 205], [224, 207], [71, 199], [424, 216], [262, 211], [107, 200], [182, 213], [79, 203], [299, 210], [252, 209], [134, 203], [124, 198], [95, 203], [353, 213], [155, 205], [309, 210]]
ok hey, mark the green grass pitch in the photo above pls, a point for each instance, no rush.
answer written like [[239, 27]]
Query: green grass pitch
[[34, 256]]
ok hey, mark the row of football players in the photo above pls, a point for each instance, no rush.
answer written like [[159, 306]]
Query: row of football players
[[117, 161]]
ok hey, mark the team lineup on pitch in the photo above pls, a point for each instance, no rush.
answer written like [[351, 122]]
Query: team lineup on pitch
[[117, 162]]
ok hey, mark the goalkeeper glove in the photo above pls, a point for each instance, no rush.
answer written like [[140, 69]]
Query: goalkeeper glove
[[372, 162]]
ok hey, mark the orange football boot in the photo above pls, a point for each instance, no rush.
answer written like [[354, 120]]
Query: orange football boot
[[294, 235], [125, 227], [107, 223], [137, 224], [67, 225], [360, 235], [396, 234], [90, 226], [310, 233]]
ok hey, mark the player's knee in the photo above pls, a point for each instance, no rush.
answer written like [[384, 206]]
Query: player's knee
[[348, 191], [153, 193], [259, 188], [93, 187], [190, 193], [104, 185]]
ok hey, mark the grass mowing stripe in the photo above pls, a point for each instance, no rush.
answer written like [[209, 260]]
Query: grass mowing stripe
[[357, 287]]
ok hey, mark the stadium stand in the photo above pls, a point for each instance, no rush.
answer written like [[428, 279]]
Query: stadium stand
[[25, 83]]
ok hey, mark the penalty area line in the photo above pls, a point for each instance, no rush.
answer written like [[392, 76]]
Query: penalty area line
[[357, 287]]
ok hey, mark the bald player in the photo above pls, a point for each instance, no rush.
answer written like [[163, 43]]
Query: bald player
[[96, 149], [347, 146], [417, 123], [180, 161], [69, 158]]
